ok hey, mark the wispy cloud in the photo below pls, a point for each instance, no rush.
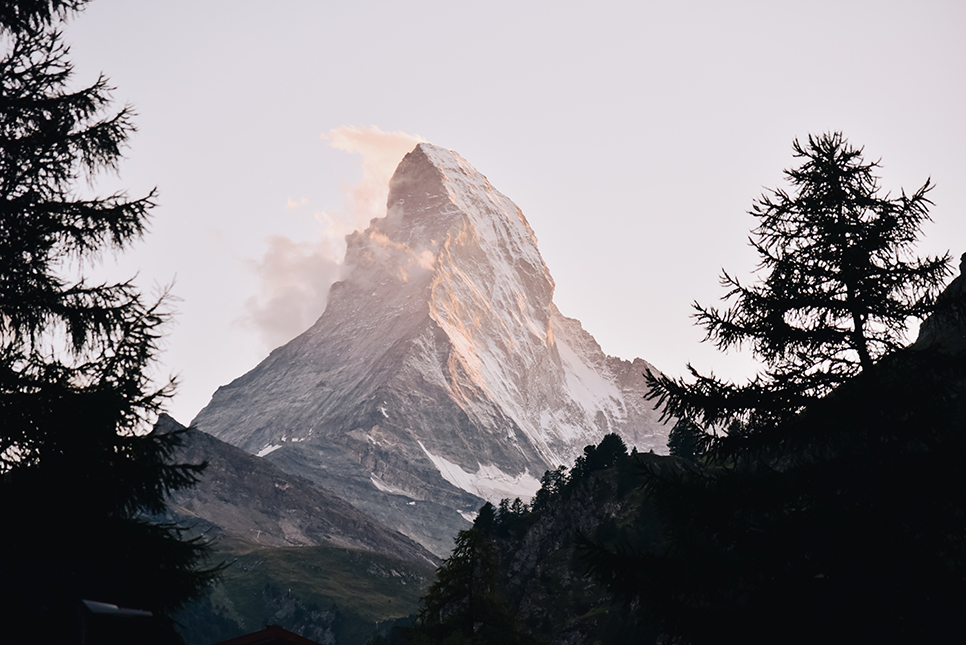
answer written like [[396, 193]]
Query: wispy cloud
[[294, 277], [381, 153]]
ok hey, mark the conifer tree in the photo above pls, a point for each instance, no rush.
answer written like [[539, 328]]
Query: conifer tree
[[464, 604], [81, 470], [828, 504], [839, 283], [686, 440]]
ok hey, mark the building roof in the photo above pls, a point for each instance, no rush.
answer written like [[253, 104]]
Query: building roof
[[271, 635]]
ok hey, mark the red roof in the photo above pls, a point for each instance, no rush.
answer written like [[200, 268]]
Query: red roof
[[271, 635]]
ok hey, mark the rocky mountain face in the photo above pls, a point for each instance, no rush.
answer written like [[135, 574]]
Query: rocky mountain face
[[533, 561], [440, 374], [242, 497], [297, 555]]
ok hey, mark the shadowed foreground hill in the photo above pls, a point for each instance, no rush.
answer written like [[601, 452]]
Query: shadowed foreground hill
[[298, 555], [520, 575], [331, 595]]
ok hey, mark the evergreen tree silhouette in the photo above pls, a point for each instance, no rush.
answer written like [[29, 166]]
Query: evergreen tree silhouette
[[686, 440], [828, 505], [839, 285], [81, 470], [464, 604]]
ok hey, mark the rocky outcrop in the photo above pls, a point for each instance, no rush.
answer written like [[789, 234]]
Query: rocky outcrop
[[946, 328]]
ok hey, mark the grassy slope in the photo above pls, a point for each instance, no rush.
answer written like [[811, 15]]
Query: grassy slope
[[322, 592]]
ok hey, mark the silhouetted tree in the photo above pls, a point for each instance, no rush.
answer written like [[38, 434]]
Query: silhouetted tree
[[609, 452], [839, 286], [551, 484], [25, 16], [464, 604], [81, 470], [829, 506], [686, 440]]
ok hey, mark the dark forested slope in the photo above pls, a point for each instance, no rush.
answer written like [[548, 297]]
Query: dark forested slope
[[520, 574]]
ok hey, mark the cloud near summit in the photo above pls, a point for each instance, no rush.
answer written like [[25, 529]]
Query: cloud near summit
[[381, 153], [295, 276]]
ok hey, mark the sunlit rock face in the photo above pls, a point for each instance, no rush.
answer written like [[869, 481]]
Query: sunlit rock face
[[441, 373]]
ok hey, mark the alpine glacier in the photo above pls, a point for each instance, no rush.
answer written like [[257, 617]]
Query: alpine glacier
[[440, 373]]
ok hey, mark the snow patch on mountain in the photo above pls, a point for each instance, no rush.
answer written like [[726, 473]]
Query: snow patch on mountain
[[588, 387], [488, 482], [387, 488], [267, 450]]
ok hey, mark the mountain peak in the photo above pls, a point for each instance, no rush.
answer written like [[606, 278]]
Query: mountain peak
[[441, 373], [448, 162], [436, 195]]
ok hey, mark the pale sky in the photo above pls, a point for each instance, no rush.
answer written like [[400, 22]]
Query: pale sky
[[634, 135]]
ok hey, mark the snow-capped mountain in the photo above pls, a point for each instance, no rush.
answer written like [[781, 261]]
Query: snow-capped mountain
[[441, 373]]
